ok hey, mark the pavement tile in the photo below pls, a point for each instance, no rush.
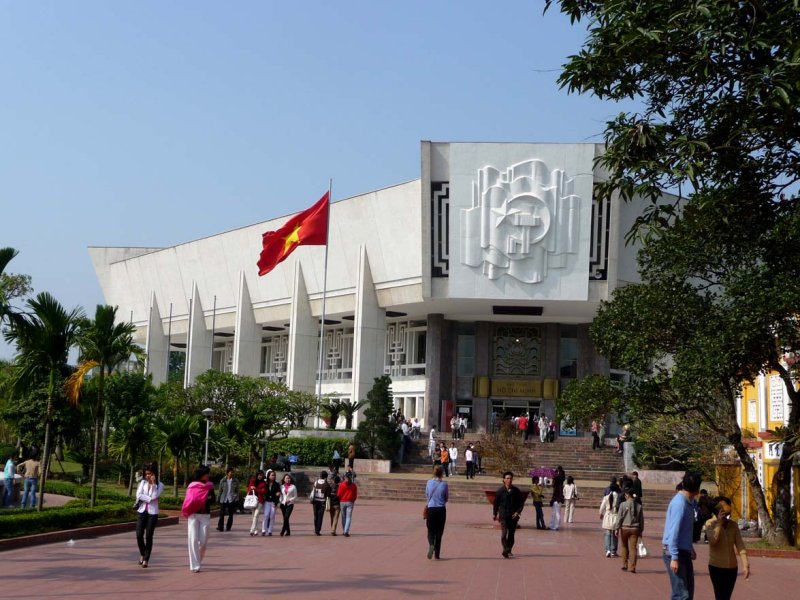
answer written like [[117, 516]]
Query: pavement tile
[[383, 558]]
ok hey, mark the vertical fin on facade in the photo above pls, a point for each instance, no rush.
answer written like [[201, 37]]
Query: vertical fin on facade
[[200, 343], [303, 338], [157, 346], [370, 330], [247, 335]]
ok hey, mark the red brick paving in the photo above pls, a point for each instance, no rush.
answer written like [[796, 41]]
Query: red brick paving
[[384, 558]]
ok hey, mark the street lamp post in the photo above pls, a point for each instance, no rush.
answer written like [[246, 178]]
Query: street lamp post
[[207, 413]]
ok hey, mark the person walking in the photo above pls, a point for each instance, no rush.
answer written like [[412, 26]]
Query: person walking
[[336, 461], [436, 496], [570, 497], [271, 502], [351, 454], [147, 495], [348, 493], [197, 509], [542, 428], [432, 445], [678, 552], [228, 499], [557, 499], [9, 472], [288, 497], [537, 495], [257, 486], [320, 495], [636, 483], [631, 523], [335, 502], [724, 543], [608, 516], [507, 508], [30, 471], [469, 459]]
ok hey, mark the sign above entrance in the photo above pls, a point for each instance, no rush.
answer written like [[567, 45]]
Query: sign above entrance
[[517, 388]]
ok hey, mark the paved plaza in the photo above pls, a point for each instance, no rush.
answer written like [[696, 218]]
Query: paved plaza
[[385, 557]]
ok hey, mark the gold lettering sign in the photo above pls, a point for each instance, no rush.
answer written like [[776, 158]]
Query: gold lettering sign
[[516, 387]]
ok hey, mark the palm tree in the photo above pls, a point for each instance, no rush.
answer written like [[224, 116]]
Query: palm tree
[[178, 437], [349, 409], [104, 345], [43, 340], [6, 312], [331, 411], [131, 440]]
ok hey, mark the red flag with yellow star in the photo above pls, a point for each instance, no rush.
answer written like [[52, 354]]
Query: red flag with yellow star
[[308, 228]]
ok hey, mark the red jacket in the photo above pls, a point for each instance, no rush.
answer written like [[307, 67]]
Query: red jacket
[[260, 487], [347, 492]]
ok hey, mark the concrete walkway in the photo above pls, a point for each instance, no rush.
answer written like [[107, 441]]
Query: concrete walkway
[[383, 558]]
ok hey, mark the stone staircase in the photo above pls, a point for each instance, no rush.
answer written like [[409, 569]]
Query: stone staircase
[[591, 470]]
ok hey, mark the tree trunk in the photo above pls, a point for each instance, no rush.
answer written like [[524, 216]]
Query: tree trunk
[[130, 478], [785, 522], [175, 478], [95, 452], [47, 433], [104, 444]]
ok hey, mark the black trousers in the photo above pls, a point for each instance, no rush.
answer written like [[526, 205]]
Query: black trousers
[[319, 513], [145, 526], [508, 527], [437, 516], [446, 468], [723, 581], [595, 440], [286, 511], [470, 470], [229, 508], [539, 516]]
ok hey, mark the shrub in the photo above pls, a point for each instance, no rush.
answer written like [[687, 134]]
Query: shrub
[[17, 523], [310, 450]]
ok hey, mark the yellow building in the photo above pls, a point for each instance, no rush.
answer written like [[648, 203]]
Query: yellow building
[[763, 406]]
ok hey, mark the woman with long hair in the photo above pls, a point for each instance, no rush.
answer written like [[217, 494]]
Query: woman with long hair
[[436, 495], [570, 497], [608, 511], [147, 494], [258, 487], [557, 499], [271, 503], [288, 496]]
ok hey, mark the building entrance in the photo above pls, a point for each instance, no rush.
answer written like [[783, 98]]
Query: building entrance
[[506, 408]]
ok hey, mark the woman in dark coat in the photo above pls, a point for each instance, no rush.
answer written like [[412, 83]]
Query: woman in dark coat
[[558, 498]]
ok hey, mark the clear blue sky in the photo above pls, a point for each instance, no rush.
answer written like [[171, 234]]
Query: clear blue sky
[[154, 123]]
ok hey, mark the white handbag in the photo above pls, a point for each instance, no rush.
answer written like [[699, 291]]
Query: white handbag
[[251, 500], [641, 549]]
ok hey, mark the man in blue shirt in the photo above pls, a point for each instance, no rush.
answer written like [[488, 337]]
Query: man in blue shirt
[[677, 540]]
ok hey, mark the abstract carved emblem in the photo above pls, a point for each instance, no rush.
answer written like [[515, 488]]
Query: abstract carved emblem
[[523, 221]]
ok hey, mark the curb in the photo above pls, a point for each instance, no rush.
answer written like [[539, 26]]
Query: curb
[[773, 553], [77, 534]]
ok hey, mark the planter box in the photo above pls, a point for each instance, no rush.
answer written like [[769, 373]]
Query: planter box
[[368, 465]]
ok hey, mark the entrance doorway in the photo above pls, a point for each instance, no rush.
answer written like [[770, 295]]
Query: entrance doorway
[[508, 408]]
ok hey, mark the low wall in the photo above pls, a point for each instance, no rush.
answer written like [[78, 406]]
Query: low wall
[[368, 465], [661, 477], [322, 433]]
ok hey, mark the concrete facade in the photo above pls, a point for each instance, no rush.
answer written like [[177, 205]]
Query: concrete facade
[[472, 287]]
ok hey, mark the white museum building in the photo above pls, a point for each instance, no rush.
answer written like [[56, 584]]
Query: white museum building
[[473, 287]]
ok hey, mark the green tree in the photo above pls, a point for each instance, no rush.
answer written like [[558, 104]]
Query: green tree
[[587, 399], [11, 286], [330, 411], [300, 406], [376, 434], [719, 124], [349, 409], [132, 440], [178, 437], [104, 345], [43, 339]]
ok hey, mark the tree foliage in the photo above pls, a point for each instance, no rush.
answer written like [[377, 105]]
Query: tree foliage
[[720, 126], [377, 435]]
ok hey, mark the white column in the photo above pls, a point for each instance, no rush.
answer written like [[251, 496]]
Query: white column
[[420, 414], [369, 332], [303, 337], [157, 345], [763, 403], [247, 336], [200, 342]]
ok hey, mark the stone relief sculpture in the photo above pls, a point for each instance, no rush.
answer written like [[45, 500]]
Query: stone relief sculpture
[[523, 221]]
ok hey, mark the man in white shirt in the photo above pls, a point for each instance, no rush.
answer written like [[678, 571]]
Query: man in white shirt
[[432, 443], [470, 465], [453, 457]]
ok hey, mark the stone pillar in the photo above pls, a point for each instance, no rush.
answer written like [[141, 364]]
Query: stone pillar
[[439, 374], [303, 337], [200, 343], [247, 338], [157, 345], [483, 368]]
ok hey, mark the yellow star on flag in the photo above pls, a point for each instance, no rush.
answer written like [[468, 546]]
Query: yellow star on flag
[[292, 239]]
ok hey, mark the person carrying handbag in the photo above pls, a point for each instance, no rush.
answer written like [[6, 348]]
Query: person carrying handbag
[[631, 523], [609, 518], [436, 496], [256, 496], [570, 497]]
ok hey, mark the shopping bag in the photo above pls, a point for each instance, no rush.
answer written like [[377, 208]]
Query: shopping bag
[[641, 549]]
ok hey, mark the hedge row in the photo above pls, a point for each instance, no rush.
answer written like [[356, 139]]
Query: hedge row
[[309, 450], [16, 523], [83, 492]]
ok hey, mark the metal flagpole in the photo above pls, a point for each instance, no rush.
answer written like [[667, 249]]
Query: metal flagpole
[[324, 292]]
